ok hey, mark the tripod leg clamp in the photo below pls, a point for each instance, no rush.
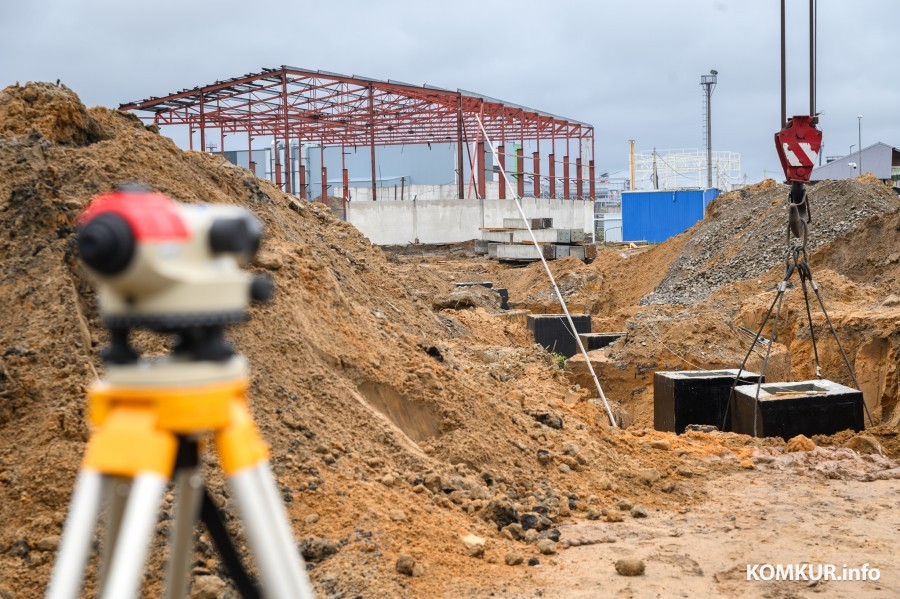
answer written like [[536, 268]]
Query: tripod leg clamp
[[239, 444], [129, 442]]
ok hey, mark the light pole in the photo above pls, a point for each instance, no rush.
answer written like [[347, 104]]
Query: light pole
[[859, 132], [709, 83]]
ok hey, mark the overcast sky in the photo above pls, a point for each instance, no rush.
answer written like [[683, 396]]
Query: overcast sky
[[630, 68]]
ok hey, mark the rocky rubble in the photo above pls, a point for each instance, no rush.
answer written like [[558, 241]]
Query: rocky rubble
[[744, 234]]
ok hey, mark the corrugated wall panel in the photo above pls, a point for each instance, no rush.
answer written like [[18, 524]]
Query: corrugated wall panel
[[655, 216]]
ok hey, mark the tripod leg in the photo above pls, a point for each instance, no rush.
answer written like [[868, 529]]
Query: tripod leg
[[188, 494], [117, 491], [133, 541], [76, 540], [269, 533]]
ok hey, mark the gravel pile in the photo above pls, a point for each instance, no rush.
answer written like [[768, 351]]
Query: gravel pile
[[744, 234]]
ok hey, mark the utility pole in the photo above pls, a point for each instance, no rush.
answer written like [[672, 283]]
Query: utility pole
[[709, 84]]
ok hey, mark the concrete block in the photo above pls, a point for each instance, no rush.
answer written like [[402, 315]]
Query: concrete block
[[577, 236], [548, 236], [785, 410], [498, 236], [553, 333], [515, 253], [492, 250], [481, 247], [534, 223], [592, 341], [688, 397], [488, 284], [576, 251]]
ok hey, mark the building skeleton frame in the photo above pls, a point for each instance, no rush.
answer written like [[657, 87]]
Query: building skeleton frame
[[298, 105]]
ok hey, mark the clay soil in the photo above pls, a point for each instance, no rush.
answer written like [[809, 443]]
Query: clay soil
[[397, 429]]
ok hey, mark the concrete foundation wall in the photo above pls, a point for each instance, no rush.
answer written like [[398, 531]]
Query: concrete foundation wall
[[453, 221]]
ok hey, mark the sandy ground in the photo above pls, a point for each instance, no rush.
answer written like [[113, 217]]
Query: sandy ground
[[750, 518]]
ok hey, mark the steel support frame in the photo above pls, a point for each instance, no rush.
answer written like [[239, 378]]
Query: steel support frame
[[331, 109]]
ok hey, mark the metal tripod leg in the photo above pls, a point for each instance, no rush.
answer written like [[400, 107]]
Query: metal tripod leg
[[269, 534], [117, 490], [77, 534], [127, 565], [188, 495]]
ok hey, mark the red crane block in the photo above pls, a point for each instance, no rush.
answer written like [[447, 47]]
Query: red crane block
[[798, 147]]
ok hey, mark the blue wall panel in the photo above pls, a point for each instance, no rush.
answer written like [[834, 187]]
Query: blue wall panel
[[655, 216]]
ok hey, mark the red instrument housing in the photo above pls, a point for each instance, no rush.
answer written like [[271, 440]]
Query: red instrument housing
[[151, 216]]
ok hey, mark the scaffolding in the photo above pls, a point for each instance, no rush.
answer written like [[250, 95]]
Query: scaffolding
[[676, 169], [298, 106]]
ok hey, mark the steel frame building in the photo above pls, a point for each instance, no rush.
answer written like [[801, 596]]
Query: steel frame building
[[292, 104]]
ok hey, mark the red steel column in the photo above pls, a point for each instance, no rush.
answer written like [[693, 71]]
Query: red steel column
[[551, 165], [592, 184], [287, 139], [536, 160], [579, 179], [502, 157], [459, 151], [482, 167], [566, 176], [250, 164], [323, 173], [593, 173], [202, 125], [372, 138], [520, 175], [302, 177], [345, 177]]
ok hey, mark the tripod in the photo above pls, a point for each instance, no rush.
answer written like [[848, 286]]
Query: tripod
[[151, 417]]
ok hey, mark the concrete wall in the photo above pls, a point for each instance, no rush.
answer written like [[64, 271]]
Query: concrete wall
[[452, 221]]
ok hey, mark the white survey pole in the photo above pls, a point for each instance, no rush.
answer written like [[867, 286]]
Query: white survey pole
[[559, 296]]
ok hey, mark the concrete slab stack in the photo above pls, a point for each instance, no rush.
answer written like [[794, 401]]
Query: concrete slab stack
[[513, 243]]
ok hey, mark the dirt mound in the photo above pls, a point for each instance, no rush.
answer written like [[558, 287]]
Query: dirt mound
[[614, 281], [52, 110], [393, 430], [744, 234]]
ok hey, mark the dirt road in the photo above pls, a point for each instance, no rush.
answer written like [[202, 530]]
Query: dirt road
[[755, 518]]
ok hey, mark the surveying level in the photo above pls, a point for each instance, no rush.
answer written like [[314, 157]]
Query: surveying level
[[173, 269]]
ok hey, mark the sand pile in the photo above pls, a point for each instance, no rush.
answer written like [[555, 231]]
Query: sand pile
[[394, 430]]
